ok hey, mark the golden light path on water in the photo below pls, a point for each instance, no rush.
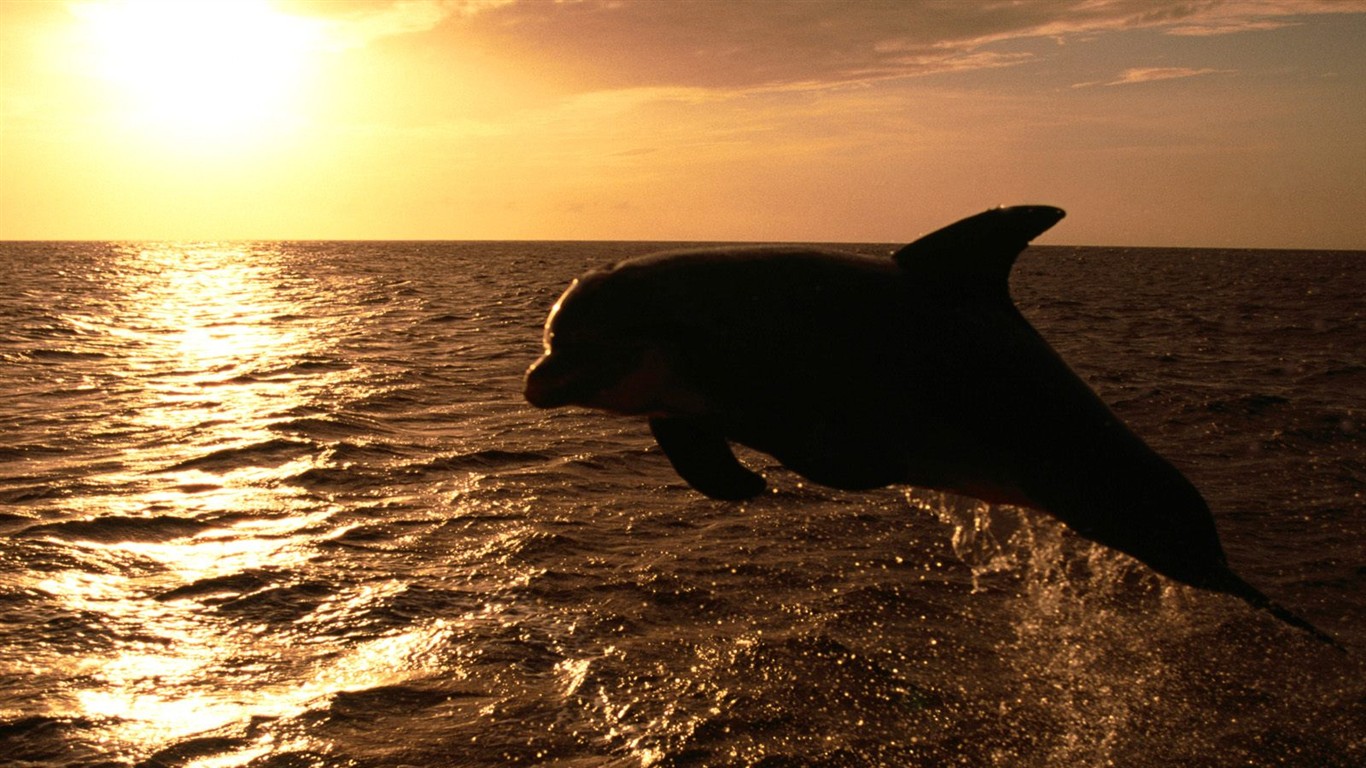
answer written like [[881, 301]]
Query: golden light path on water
[[206, 339]]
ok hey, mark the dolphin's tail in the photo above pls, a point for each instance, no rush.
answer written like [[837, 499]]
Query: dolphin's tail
[[1231, 583]]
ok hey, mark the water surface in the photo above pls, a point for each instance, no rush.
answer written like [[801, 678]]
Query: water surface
[[281, 504]]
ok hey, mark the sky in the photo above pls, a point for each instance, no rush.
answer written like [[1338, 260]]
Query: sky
[[1197, 123]]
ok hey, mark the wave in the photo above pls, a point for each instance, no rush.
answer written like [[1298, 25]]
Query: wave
[[61, 355], [42, 740], [332, 426], [298, 369], [73, 481], [192, 751], [268, 453], [1246, 405], [117, 528], [338, 479], [398, 400], [363, 703], [28, 494], [283, 604], [29, 451], [489, 458], [1341, 369], [217, 588]]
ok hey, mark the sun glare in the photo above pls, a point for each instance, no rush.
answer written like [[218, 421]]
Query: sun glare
[[201, 71]]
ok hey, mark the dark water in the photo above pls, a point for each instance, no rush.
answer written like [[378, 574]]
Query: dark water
[[281, 504]]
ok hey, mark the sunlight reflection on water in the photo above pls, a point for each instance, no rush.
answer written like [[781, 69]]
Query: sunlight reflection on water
[[208, 333], [208, 341]]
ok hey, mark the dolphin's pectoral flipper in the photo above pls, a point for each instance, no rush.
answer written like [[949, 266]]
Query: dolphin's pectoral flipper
[[701, 456], [978, 251]]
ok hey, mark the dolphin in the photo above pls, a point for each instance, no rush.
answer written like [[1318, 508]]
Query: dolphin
[[859, 372]]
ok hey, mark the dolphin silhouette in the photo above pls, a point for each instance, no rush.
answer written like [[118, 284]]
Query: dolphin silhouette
[[858, 372]]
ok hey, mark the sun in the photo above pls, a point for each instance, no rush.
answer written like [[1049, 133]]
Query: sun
[[199, 71]]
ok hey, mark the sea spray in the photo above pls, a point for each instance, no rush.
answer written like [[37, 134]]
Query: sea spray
[[1080, 653]]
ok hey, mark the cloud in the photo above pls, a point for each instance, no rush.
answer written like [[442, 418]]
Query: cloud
[[1136, 75], [596, 44], [361, 22], [1213, 28]]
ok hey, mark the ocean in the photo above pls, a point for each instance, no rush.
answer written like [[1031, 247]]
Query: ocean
[[282, 505]]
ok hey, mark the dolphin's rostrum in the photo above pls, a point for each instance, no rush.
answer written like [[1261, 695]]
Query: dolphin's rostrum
[[858, 372]]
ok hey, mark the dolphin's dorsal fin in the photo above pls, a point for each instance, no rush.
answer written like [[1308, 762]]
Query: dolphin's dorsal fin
[[977, 252]]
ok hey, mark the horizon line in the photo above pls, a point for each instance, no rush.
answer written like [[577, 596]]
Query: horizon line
[[240, 240]]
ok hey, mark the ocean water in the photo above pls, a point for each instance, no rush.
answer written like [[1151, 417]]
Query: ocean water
[[282, 504]]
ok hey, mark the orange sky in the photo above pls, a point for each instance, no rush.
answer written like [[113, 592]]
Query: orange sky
[[1238, 124]]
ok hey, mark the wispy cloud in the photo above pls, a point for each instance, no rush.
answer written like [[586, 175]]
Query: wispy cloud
[[1217, 27], [709, 44], [773, 45], [361, 22], [1136, 75]]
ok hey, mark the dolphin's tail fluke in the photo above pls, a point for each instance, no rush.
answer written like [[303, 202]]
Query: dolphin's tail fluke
[[1231, 583]]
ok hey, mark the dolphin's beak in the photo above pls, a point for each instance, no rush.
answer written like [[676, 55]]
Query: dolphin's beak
[[550, 383], [538, 387]]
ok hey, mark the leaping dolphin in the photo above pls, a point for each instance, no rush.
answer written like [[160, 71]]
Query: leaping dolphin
[[858, 372]]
